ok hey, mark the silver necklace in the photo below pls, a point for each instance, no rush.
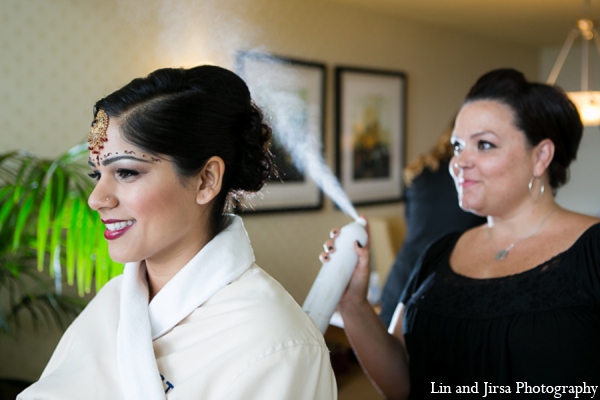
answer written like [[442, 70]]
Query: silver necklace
[[502, 254]]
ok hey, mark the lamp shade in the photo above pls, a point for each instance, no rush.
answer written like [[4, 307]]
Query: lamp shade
[[588, 104]]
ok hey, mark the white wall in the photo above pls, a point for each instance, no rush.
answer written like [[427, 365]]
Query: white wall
[[582, 192]]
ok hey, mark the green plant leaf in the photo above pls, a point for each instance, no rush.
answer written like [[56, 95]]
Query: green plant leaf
[[59, 187], [7, 205], [55, 241], [70, 223], [20, 173], [81, 256], [43, 210], [89, 265], [102, 261], [43, 226], [22, 217], [9, 166], [75, 153], [79, 239]]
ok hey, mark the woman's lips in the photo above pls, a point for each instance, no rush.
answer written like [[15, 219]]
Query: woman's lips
[[467, 183], [115, 228]]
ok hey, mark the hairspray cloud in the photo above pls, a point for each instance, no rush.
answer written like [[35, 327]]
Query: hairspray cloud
[[275, 90], [286, 108]]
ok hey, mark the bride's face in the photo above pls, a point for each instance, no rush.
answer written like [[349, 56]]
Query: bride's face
[[149, 211]]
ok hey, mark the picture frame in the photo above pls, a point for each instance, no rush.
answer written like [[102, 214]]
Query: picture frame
[[370, 133], [291, 94]]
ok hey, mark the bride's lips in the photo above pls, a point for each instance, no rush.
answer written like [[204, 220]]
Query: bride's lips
[[115, 228]]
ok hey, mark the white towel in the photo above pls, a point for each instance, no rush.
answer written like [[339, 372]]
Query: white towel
[[220, 262]]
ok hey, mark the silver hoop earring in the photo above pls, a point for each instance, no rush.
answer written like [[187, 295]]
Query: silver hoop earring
[[530, 187]]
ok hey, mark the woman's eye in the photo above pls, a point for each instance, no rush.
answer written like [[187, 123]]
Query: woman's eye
[[94, 175], [457, 147], [483, 145], [126, 173]]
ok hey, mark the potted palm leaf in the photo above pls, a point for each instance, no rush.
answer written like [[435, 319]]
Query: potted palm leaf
[[46, 226]]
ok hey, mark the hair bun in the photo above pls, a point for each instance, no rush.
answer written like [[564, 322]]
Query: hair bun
[[254, 161]]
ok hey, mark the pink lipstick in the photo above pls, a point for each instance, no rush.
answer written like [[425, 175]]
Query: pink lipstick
[[116, 228]]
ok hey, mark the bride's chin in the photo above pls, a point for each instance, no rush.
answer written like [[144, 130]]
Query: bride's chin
[[119, 258]]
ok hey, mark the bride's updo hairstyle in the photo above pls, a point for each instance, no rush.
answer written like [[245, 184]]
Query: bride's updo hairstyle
[[190, 115], [540, 111]]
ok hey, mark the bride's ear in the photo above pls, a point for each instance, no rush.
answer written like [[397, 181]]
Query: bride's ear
[[210, 180]]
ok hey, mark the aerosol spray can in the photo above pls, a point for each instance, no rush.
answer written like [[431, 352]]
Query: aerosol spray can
[[333, 278]]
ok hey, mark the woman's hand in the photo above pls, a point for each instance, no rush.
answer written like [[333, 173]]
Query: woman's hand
[[382, 356], [358, 287]]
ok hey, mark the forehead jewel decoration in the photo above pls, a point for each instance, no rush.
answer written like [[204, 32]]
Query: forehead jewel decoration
[[97, 135]]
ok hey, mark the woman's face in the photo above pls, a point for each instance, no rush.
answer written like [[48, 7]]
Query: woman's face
[[492, 163], [148, 212]]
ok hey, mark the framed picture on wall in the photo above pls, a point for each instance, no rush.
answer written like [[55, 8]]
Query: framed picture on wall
[[291, 94], [370, 133]]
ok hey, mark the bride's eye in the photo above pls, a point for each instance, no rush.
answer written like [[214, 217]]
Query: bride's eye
[[126, 173]]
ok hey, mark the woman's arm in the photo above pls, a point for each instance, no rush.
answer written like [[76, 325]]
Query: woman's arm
[[382, 355]]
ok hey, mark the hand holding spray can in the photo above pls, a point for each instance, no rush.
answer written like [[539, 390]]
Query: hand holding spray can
[[333, 278]]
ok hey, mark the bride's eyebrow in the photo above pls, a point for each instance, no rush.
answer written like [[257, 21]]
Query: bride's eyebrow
[[108, 161], [111, 160]]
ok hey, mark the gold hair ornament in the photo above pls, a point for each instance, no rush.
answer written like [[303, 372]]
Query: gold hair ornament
[[97, 135]]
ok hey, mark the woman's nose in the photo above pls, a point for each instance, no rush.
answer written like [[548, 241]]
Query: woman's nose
[[461, 161], [101, 197]]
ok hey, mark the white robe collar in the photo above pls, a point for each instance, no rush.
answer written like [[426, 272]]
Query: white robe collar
[[225, 258]]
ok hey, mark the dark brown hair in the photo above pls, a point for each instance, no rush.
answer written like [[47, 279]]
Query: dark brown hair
[[190, 115], [541, 111]]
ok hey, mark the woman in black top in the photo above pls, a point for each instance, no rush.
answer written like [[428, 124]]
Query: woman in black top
[[511, 308]]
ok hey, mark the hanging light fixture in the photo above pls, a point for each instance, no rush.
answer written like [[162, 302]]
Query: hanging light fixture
[[587, 102]]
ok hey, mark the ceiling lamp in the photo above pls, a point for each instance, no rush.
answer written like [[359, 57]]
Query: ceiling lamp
[[587, 102]]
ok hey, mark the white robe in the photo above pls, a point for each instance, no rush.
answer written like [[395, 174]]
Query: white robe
[[248, 340]]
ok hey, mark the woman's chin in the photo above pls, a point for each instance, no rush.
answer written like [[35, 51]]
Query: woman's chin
[[120, 258], [470, 207]]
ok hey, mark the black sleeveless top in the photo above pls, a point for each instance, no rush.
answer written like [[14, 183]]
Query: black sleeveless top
[[519, 332]]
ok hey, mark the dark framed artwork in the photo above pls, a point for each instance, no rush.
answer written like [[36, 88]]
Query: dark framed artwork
[[291, 94], [370, 133]]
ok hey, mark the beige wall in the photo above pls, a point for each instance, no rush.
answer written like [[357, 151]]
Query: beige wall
[[60, 56]]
